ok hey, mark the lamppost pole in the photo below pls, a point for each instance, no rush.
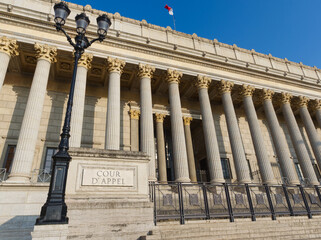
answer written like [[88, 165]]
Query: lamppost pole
[[54, 211]]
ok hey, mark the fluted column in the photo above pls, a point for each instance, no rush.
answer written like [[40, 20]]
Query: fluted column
[[8, 48], [178, 137], [316, 106], [280, 145], [241, 165], [162, 170], [189, 148], [257, 137], [147, 144], [211, 145], [297, 140], [310, 128], [134, 129], [77, 114], [27, 140], [115, 67]]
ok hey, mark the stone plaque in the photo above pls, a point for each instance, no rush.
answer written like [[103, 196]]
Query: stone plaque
[[217, 199], [278, 198], [168, 200], [296, 198], [108, 177], [193, 200], [239, 198], [313, 198], [259, 199]]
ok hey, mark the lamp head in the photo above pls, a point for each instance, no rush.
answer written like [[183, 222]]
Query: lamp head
[[61, 13], [82, 22], [103, 23]]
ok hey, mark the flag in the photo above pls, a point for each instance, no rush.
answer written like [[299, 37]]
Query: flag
[[170, 10]]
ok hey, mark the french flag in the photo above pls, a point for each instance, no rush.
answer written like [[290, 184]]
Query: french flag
[[170, 10]]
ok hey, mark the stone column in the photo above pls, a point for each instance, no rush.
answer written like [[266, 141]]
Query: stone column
[[134, 128], [77, 114], [310, 128], [8, 48], [115, 67], [280, 145], [147, 144], [162, 169], [27, 140], [241, 165], [297, 140], [178, 137], [257, 137], [211, 145], [316, 106], [189, 148]]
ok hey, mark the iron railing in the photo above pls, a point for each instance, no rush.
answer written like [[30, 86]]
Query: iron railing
[[40, 176], [3, 174], [182, 201]]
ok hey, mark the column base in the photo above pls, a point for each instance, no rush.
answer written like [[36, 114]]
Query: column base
[[18, 179], [152, 179], [245, 181], [183, 180], [216, 181]]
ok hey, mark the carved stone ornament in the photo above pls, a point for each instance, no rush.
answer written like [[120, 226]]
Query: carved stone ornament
[[303, 101], [173, 76], [315, 104], [286, 97], [145, 71], [134, 113], [267, 94], [247, 90], [202, 81], [160, 117], [115, 65], [187, 120], [9, 46], [46, 52], [225, 86], [85, 60]]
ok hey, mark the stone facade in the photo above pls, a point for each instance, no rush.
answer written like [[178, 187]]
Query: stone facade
[[139, 94]]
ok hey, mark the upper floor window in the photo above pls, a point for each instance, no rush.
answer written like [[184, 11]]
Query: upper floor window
[[226, 168]]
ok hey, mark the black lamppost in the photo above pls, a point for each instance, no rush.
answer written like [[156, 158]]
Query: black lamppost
[[54, 211]]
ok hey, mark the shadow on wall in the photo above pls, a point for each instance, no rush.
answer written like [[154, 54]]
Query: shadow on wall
[[18, 227]]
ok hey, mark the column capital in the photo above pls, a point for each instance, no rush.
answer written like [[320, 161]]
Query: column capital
[[115, 65], [225, 86], [145, 70], [46, 52], [315, 104], [9, 46], [173, 76], [247, 90], [267, 94], [160, 117], [202, 81], [85, 60], [285, 98], [301, 101], [187, 120], [134, 113]]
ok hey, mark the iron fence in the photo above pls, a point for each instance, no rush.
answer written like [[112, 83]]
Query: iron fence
[[3, 174], [40, 176], [210, 201]]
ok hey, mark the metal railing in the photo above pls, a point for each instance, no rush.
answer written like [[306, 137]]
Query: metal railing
[[3, 174], [207, 201], [40, 176]]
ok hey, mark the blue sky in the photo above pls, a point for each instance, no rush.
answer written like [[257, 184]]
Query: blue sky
[[285, 28]]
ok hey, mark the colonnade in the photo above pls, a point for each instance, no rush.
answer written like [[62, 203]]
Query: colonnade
[[183, 156]]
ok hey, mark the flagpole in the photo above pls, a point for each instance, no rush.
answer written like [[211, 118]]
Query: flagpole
[[174, 22]]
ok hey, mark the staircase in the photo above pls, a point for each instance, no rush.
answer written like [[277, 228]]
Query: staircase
[[298, 227]]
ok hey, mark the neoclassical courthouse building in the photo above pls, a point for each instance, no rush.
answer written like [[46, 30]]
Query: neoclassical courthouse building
[[200, 110]]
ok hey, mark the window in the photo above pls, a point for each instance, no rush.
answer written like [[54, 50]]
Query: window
[[48, 159], [250, 169], [226, 168], [9, 157], [298, 171]]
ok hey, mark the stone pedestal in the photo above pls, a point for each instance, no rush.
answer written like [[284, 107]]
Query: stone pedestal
[[50, 232]]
